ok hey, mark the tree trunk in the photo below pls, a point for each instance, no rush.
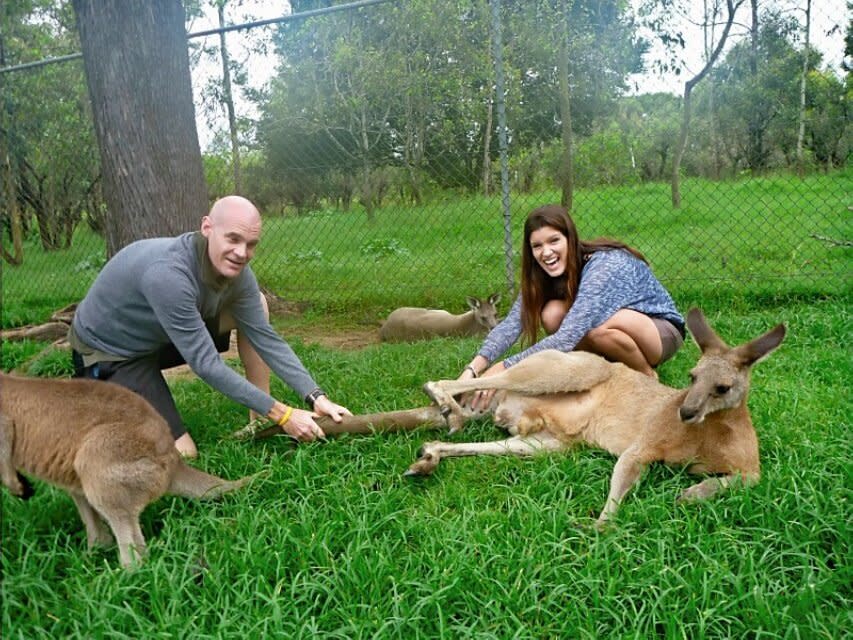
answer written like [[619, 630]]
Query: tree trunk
[[801, 131], [228, 99], [487, 149], [138, 74], [367, 189], [756, 153], [566, 162], [678, 154], [16, 256], [16, 231], [710, 36]]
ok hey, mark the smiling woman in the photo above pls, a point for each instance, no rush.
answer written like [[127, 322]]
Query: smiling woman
[[598, 296]]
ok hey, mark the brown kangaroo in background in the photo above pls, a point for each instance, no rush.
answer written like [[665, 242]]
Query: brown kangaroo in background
[[414, 323], [102, 443], [552, 400]]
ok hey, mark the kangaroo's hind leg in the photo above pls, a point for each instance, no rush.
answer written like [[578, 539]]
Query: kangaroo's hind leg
[[97, 533], [542, 373], [119, 481], [120, 506], [431, 453]]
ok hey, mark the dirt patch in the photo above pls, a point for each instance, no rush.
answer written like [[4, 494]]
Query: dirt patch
[[345, 340]]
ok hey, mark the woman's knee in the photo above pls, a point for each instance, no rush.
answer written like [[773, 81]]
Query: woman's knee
[[605, 340], [626, 333], [552, 315]]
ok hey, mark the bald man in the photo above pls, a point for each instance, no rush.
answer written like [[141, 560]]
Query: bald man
[[162, 302]]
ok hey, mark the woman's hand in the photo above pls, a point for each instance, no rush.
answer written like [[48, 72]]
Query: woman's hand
[[480, 400]]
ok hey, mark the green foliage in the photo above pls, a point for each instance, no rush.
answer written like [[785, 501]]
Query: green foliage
[[15, 354], [48, 281], [756, 100], [379, 248], [602, 159], [94, 262], [51, 363], [370, 112], [331, 541], [774, 234], [46, 126]]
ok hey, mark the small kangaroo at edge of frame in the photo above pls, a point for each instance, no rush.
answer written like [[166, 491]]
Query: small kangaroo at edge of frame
[[552, 400], [103, 444]]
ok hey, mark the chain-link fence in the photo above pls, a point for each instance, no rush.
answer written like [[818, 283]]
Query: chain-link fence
[[396, 150]]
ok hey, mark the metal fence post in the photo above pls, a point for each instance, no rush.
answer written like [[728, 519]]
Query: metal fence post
[[497, 43]]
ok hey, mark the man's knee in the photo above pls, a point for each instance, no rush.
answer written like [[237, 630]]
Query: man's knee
[[227, 322], [186, 446]]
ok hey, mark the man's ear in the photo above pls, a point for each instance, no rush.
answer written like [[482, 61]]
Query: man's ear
[[206, 226]]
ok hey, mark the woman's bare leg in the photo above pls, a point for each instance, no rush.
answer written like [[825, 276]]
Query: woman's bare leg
[[627, 336], [552, 315]]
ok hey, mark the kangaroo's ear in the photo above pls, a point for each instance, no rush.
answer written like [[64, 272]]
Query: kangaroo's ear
[[758, 349], [702, 332], [473, 303], [495, 298]]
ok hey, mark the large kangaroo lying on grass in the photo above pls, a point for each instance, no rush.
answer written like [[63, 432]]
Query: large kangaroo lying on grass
[[552, 401], [105, 445], [413, 323]]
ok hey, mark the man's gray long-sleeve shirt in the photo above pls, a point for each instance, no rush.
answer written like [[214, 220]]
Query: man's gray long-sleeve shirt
[[611, 280], [162, 290]]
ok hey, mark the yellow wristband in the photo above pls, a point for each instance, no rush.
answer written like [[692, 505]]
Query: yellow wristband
[[283, 420]]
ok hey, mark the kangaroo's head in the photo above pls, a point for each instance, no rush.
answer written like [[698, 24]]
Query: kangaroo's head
[[485, 311], [720, 380]]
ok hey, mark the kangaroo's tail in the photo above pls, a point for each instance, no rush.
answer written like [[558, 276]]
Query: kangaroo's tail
[[192, 483]]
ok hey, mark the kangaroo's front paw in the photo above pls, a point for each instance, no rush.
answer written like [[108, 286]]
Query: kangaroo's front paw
[[21, 487], [447, 406], [455, 421], [434, 393]]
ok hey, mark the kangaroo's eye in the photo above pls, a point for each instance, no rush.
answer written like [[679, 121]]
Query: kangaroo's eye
[[722, 389], [691, 377]]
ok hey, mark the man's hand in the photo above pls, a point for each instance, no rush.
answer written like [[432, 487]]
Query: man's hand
[[302, 427], [325, 407]]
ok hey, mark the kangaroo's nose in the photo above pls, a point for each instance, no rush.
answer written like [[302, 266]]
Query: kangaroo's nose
[[687, 414]]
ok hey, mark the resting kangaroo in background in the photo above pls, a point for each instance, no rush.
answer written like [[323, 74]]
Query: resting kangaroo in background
[[413, 323], [105, 445], [552, 400]]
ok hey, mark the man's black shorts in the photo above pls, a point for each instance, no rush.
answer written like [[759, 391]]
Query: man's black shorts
[[144, 376]]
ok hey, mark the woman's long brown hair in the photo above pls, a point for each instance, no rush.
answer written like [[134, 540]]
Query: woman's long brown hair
[[537, 287]]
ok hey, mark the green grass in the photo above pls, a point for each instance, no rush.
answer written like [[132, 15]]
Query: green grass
[[771, 234], [333, 542]]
